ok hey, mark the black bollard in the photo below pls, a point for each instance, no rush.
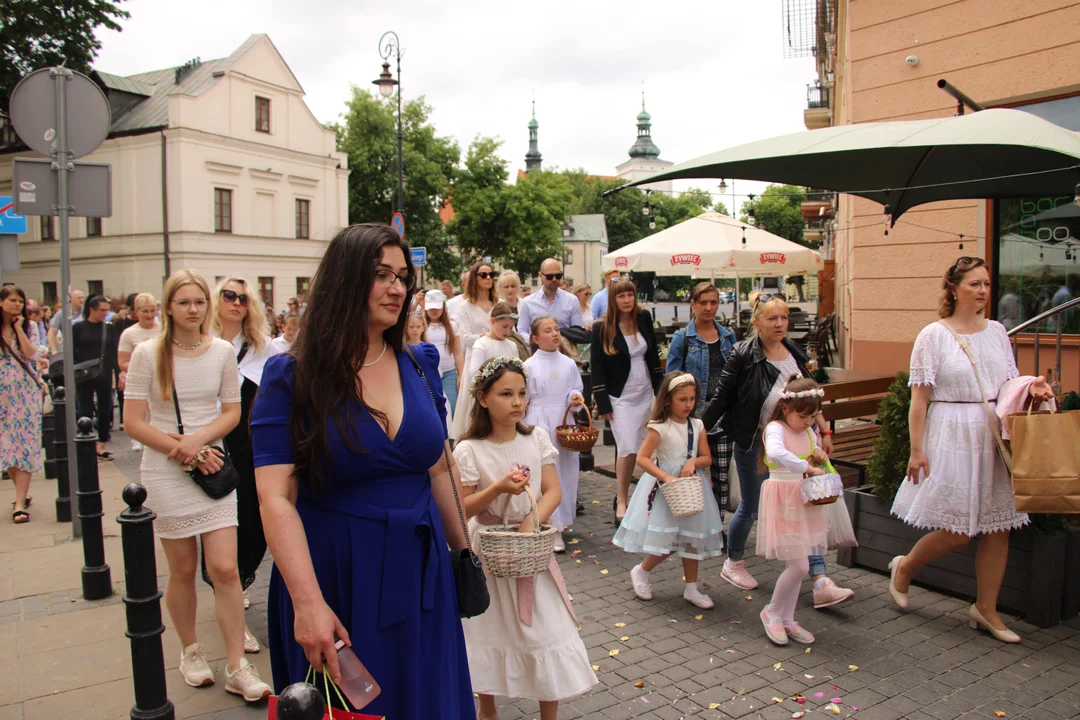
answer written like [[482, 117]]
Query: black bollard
[[48, 437], [63, 486], [96, 576], [143, 603], [586, 462]]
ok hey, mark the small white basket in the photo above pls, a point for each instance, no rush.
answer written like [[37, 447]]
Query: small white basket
[[685, 496], [508, 553], [822, 489]]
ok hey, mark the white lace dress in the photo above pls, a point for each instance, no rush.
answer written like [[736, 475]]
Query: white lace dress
[[183, 510], [968, 490]]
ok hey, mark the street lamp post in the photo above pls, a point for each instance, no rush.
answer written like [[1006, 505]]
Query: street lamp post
[[389, 45]]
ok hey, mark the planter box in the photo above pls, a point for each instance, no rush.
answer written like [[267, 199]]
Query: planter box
[[1036, 586]]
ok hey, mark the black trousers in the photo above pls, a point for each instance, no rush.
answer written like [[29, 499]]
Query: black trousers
[[250, 539], [85, 394], [119, 394]]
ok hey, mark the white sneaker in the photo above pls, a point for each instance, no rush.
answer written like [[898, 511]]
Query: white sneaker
[[194, 668], [642, 587], [695, 597], [560, 544], [136, 445], [246, 683]]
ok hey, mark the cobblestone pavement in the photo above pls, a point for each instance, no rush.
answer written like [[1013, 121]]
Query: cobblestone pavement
[[871, 661]]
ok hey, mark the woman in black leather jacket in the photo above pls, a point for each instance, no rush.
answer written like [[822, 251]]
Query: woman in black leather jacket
[[749, 385]]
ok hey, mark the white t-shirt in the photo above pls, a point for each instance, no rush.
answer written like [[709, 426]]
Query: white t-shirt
[[436, 335], [136, 334], [282, 344]]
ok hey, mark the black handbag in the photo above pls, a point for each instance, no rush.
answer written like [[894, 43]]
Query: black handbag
[[84, 371], [216, 485], [469, 581]]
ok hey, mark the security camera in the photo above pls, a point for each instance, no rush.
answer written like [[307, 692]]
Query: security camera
[[912, 60]]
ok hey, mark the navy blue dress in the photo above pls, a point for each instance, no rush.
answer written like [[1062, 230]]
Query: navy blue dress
[[378, 548]]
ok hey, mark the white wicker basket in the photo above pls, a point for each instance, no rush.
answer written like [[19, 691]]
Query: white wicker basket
[[685, 496], [508, 553], [822, 489]]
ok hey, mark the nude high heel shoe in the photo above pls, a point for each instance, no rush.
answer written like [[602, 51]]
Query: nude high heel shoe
[[976, 621], [898, 597]]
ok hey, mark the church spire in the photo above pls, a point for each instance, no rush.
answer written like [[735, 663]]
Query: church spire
[[644, 145], [533, 157]]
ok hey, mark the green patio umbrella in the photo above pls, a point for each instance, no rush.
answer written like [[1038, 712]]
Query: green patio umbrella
[[989, 154]]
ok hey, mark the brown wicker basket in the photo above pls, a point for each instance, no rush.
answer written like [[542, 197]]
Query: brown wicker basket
[[825, 501], [578, 438], [508, 553], [685, 497]]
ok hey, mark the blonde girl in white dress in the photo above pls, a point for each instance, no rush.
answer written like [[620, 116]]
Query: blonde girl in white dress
[[202, 369], [555, 384], [526, 645], [957, 487], [497, 342]]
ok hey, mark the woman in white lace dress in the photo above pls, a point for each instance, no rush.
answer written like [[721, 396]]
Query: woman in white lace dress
[[201, 371], [957, 487]]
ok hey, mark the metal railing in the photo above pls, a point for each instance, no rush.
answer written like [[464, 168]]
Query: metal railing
[[817, 97], [1052, 312]]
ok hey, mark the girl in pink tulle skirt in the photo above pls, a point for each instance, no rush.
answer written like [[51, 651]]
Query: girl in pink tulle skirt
[[789, 528]]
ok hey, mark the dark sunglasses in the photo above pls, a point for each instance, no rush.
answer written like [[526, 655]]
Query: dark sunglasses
[[553, 276], [485, 275], [232, 296], [766, 297]]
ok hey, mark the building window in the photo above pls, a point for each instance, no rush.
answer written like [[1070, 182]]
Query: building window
[[93, 227], [47, 232], [303, 219], [266, 291], [94, 287], [48, 293], [302, 285], [569, 257], [222, 210], [262, 114], [1037, 267]]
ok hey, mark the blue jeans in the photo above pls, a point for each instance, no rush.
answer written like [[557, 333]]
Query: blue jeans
[[750, 479], [449, 387]]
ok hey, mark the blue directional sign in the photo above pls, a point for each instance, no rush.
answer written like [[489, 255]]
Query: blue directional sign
[[419, 256], [10, 223], [398, 224]]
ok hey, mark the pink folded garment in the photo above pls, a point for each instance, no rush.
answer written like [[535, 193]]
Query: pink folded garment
[[1010, 400]]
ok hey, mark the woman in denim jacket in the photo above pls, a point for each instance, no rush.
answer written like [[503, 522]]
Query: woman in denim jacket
[[701, 349]]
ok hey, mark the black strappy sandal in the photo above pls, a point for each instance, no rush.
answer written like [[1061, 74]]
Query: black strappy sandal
[[20, 517], [106, 456]]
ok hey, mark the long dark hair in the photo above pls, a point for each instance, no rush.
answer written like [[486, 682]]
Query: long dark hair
[[332, 345], [803, 406], [6, 292], [472, 284], [611, 319], [479, 418]]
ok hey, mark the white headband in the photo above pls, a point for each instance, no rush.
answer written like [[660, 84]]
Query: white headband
[[682, 380]]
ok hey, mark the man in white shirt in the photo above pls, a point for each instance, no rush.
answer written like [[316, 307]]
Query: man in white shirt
[[553, 301], [600, 299]]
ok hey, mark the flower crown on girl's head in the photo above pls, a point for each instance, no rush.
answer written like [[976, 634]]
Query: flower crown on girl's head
[[814, 392], [491, 367]]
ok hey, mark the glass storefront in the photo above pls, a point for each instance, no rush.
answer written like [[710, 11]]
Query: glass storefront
[[1038, 241]]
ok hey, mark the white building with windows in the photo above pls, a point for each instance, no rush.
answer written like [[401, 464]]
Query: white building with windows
[[217, 165]]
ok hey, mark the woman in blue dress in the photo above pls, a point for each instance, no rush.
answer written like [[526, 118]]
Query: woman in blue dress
[[355, 493]]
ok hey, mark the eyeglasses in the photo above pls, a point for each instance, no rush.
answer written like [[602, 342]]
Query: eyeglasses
[[232, 296], [766, 297], [553, 276], [485, 275], [385, 279]]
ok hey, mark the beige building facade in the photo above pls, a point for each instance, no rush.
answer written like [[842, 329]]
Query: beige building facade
[[881, 60], [218, 166]]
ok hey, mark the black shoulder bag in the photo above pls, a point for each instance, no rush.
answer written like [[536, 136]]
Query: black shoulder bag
[[472, 592], [88, 370], [216, 485]]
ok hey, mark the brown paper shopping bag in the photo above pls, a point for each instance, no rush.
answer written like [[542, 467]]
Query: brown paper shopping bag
[[1046, 461]]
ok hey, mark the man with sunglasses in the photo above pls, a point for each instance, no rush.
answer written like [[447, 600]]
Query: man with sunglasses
[[553, 301]]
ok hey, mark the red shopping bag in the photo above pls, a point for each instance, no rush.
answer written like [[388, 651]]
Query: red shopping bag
[[331, 712]]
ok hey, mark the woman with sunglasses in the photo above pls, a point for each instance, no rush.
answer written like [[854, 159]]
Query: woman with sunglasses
[[583, 293], [473, 314], [239, 318], [626, 374], [750, 385], [355, 483]]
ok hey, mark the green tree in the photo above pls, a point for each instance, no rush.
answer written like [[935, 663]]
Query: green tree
[[779, 211], [368, 134], [887, 464], [479, 200], [42, 33], [537, 208], [622, 210]]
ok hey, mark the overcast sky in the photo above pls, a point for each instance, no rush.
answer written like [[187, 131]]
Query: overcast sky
[[712, 70]]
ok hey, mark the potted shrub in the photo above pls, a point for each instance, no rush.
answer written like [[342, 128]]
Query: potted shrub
[[1041, 556]]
